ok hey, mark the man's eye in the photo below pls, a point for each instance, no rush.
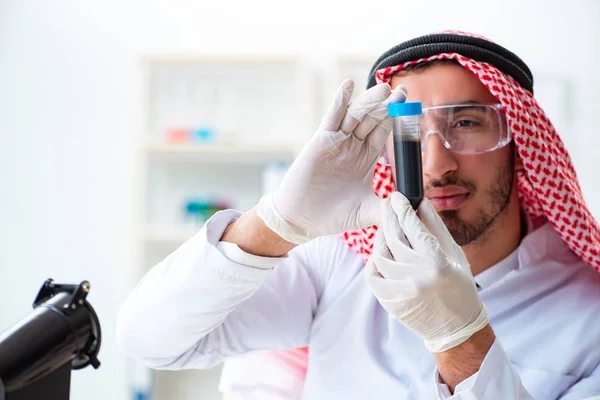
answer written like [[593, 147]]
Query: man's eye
[[466, 123]]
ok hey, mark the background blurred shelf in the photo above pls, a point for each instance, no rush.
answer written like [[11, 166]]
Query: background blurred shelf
[[221, 152], [217, 132], [168, 236]]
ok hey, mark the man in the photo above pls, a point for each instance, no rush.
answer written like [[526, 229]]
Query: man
[[412, 324]]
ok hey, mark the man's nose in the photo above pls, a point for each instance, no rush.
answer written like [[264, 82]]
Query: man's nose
[[437, 159]]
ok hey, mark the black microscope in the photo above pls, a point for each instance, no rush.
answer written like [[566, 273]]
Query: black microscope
[[38, 353]]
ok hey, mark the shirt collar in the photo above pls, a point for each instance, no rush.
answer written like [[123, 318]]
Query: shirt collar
[[496, 272], [510, 263]]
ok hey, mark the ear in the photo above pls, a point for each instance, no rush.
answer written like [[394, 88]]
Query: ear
[[518, 161]]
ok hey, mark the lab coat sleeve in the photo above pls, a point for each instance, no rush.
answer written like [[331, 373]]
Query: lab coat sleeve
[[587, 388], [197, 306], [495, 380]]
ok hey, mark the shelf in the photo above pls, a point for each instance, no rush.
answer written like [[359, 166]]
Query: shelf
[[255, 131], [171, 236], [221, 153]]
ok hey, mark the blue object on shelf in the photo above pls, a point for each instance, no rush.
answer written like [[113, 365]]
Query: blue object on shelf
[[199, 210], [141, 396], [203, 134], [197, 206]]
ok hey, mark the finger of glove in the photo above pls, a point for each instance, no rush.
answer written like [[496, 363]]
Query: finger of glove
[[393, 234], [437, 228], [385, 289], [362, 105], [410, 266], [378, 137], [420, 239], [332, 119], [394, 291], [378, 114], [369, 213]]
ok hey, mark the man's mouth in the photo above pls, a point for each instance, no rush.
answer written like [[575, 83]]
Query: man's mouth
[[447, 198]]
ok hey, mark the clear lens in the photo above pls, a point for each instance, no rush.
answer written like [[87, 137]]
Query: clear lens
[[466, 128]]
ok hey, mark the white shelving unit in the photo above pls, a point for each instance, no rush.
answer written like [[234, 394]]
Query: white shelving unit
[[254, 112]]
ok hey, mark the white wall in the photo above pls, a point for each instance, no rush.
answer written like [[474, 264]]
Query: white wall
[[68, 114]]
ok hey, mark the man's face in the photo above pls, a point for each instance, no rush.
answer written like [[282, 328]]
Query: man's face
[[484, 181]]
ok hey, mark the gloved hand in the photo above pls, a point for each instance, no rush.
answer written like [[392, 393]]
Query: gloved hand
[[421, 276], [329, 187]]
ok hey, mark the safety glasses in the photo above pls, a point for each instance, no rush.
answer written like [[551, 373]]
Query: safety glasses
[[469, 128]]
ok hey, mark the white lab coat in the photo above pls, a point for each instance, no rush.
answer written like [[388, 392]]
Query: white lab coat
[[208, 301]]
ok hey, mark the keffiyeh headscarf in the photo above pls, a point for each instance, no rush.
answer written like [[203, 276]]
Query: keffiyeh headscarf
[[548, 186]]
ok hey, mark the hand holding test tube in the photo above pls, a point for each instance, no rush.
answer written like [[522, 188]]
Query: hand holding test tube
[[328, 188]]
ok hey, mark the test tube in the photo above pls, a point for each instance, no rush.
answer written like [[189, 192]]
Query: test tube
[[407, 150]]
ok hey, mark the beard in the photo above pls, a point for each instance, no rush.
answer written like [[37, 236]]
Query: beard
[[498, 196]]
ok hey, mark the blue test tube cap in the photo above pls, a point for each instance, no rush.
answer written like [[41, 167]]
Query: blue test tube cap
[[405, 109]]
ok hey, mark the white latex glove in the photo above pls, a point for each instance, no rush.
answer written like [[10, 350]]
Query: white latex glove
[[329, 187], [421, 276]]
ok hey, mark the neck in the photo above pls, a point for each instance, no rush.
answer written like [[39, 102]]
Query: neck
[[500, 239]]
